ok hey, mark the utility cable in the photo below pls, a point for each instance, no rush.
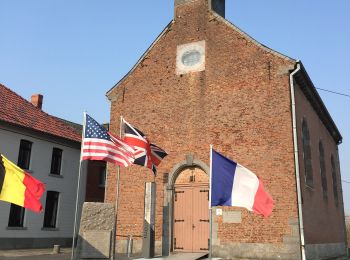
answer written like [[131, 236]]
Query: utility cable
[[334, 92]]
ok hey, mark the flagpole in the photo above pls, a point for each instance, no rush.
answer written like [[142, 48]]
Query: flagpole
[[78, 190], [210, 209], [117, 193]]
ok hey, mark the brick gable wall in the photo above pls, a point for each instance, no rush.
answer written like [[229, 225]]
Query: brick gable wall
[[240, 103]]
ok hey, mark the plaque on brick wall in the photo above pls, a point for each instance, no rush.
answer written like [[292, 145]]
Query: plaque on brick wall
[[96, 244], [232, 217]]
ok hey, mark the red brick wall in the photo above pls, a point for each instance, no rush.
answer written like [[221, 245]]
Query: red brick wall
[[240, 104], [319, 213]]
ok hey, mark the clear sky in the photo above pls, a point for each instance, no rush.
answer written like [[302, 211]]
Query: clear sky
[[73, 51]]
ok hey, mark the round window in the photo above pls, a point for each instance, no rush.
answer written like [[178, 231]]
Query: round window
[[191, 58]]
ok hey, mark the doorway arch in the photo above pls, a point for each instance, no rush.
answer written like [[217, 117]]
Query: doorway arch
[[169, 191]]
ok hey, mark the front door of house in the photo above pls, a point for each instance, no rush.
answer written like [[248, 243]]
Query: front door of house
[[191, 217]]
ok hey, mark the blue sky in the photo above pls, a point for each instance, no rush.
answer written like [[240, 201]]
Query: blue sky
[[73, 51]]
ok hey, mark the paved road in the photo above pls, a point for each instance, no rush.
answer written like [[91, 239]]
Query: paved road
[[37, 257], [66, 256], [35, 254]]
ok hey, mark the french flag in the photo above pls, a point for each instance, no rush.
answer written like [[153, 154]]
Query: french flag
[[234, 185]]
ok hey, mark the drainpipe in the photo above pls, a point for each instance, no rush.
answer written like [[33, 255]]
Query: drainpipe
[[296, 162]]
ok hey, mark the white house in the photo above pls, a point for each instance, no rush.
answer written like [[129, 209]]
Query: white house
[[49, 149]]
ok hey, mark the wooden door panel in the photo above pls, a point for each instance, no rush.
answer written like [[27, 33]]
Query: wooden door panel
[[191, 218], [183, 220], [200, 219]]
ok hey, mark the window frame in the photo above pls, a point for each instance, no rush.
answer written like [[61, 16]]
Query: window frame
[[13, 214], [57, 154], [183, 49], [323, 172], [24, 154], [307, 157], [334, 181], [49, 205]]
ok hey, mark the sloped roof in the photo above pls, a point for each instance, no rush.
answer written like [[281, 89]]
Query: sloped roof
[[310, 92], [78, 128], [18, 111]]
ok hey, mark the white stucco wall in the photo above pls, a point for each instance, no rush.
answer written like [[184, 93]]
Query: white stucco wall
[[40, 166]]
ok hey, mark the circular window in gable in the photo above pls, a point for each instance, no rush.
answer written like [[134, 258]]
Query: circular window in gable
[[191, 58]]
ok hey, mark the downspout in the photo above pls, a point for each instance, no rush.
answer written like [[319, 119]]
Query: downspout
[[296, 162]]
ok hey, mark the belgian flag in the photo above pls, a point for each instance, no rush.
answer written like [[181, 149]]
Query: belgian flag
[[18, 187]]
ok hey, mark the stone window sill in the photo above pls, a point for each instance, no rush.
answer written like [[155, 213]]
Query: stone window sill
[[55, 175], [49, 229], [16, 228]]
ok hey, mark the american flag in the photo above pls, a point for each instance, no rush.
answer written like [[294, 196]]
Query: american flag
[[146, 154], [100, 145]]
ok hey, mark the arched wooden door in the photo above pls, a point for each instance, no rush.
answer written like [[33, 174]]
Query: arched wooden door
[[191, 211]]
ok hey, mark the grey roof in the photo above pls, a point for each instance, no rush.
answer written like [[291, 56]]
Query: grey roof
[[309, 90]]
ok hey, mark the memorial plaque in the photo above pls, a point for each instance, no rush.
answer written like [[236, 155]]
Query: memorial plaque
[[232, 217], [96, 244], [95, 240]]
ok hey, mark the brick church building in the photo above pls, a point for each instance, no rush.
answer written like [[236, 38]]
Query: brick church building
[[203, 81]]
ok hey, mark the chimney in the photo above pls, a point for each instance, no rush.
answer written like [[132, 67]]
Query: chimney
[[217, 6], [37, 100]]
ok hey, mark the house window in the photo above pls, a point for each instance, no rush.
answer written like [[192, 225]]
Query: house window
[[323, 169], [307, 154], [102, 177], [334, 179], [25, 149], [16, 218], [56, 161], [51, 209]]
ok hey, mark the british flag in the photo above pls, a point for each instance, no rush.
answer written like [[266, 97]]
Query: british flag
[[146, 154]]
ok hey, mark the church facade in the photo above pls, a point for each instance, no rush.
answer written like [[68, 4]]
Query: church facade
[[203, 81]]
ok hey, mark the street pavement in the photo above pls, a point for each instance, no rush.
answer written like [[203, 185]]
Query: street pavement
[[35, 254], [38, 257], [47, 254]]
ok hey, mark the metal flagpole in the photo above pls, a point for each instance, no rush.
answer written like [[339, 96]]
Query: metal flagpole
[[210, 209], [117, 193], [78, 190]]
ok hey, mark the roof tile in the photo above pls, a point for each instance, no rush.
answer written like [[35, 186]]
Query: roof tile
[[17, 110]]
